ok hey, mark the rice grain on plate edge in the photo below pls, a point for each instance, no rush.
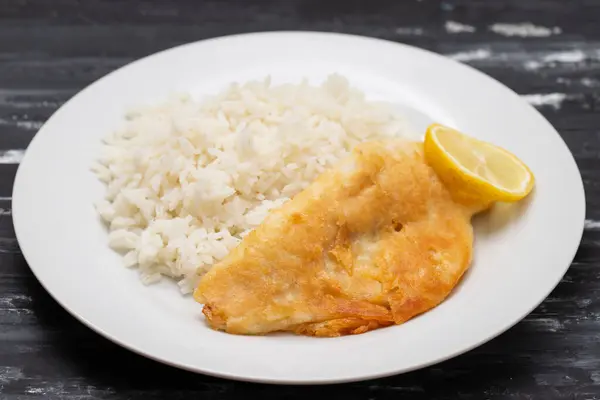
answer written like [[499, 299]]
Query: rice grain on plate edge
[[186, 180]]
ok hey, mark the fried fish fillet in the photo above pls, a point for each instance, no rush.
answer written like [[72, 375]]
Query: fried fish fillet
[[373, 242]]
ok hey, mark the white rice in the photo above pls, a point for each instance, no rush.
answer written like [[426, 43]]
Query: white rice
[[186, 180]]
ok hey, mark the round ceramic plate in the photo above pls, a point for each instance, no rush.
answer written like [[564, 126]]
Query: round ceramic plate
[[521, 251]]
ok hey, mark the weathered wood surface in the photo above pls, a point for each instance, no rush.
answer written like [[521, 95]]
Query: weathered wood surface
[[51, 49]]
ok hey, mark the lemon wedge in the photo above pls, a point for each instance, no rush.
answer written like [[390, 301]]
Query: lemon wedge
[[476, 171]]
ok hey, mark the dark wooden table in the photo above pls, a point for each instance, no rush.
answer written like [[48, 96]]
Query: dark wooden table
[[49, 50]]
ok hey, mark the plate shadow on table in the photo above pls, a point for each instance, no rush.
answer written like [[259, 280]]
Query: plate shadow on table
[[492, 222]]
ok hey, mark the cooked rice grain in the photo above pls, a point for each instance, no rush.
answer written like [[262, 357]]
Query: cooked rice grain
[[186, 180]]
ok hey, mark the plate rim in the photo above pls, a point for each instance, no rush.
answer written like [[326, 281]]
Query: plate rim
[[302, 381]]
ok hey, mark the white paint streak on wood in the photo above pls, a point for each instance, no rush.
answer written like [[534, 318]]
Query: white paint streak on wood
[[9, 93], [47, 389], [24, 124], [34, 390], [562, 57], [573, 56], [547, 324], [595, 377], [30, 125], [10, 374], [409, 31], [457, 27], [34, 98], [16, 304], [11, 156], [5, 198], [553, 100], [515, 58], [479, 54], [590, 224], [588, 82], [582, 303], [30, 104], [8, 300], [554, 379], [526, 29]]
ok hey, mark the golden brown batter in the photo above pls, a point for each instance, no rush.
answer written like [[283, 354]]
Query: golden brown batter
[[373, 242]]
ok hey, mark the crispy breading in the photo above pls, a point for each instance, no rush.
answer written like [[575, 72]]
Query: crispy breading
[[373, 242]]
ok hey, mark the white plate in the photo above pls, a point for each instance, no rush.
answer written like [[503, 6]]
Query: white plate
[[521, 251]]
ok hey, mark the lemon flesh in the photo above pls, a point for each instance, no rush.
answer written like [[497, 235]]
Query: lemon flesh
[[476, 171]]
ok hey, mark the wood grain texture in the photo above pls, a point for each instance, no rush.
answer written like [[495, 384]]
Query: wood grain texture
[[51, 49]]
